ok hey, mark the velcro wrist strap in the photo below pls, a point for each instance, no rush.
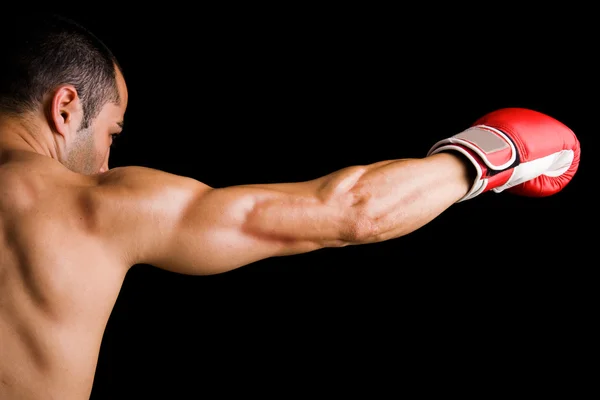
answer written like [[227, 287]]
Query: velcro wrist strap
[[488, 149], [495, 149]]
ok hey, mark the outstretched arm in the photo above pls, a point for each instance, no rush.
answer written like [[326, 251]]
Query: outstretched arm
[[366, 204], [182, 225]]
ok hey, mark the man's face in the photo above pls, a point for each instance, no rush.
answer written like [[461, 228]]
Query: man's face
[[89, 152]]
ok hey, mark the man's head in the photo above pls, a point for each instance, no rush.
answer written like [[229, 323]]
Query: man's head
[[59, 77]]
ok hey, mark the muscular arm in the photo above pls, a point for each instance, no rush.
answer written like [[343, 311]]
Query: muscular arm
[[182, 225]]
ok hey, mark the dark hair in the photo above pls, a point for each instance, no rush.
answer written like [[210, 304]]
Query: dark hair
[[38, 53]]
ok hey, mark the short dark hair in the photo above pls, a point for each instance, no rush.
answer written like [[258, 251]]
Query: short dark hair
[[40, 52]]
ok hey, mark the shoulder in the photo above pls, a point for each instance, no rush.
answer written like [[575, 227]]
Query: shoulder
[[136, 176], [126, 211], [142, 191], [133, 208], [35, 184], [138, 186]]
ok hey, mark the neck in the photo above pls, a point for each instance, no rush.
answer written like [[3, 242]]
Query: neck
[[25, 133]]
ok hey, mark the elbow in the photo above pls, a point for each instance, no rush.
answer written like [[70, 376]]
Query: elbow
[[361, 223], [361, 230], [362, 226]]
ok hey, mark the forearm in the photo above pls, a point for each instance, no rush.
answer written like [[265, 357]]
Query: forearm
[[402, 196], [369, 203]]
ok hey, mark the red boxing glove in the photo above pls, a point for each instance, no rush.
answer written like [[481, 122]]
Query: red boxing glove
[[518, 150]]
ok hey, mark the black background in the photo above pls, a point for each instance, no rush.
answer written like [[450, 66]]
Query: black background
[[492, 293]]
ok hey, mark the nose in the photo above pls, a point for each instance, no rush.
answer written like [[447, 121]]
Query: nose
[[105, 167]]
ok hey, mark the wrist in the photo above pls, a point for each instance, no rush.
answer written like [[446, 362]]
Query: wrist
[[460, 169]]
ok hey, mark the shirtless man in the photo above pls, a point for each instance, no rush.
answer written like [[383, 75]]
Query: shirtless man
[[70, 228]]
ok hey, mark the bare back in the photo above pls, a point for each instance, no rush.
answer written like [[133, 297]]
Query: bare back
[[58, 283]]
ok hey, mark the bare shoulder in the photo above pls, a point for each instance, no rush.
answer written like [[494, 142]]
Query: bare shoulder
[[136, 177], [123, 208], [134, 188], [134, 208]]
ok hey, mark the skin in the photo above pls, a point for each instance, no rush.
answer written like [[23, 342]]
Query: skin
[[70, 229]]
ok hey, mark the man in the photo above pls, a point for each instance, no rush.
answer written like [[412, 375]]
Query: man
[[70, 227]]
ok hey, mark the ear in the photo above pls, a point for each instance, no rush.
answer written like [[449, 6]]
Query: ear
[[66, 112]]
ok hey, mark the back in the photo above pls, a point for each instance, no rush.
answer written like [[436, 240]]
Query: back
[[58, 283]]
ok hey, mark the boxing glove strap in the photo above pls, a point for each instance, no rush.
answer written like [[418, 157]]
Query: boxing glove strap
[[494, 148], [490, 150]]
